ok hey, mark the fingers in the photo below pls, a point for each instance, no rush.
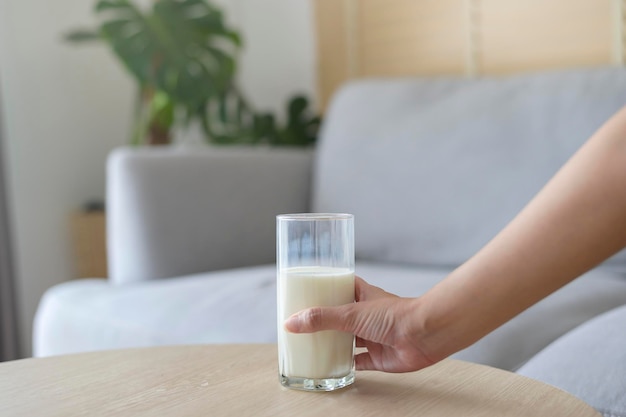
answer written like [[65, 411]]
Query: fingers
[[320, 318], [364, 291], [316, 319], [343, 318], [361, 289], [325, 318], [363, 362]]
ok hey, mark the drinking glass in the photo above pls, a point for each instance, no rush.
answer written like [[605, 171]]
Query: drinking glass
[[315, 268]]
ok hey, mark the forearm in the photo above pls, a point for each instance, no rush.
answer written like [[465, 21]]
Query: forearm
[[574, 223]]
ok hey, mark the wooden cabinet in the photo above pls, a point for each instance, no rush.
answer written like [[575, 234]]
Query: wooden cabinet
[[89, 244]]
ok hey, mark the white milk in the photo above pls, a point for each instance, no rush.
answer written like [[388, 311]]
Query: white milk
[[326, 354]]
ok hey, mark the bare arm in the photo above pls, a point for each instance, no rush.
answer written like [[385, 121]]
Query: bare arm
[[575, 222]]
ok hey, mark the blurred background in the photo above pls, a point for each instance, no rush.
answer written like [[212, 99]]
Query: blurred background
[[67, 98], [64, 107]]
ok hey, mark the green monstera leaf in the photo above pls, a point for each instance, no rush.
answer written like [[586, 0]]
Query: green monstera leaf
[[183, 56], [234, 122], [180, 47], [175, 48]]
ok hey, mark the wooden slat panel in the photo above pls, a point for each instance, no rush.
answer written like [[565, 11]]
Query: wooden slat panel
[[364, 38], [332, 47], [409, 37], [542, 34], [619, 31]]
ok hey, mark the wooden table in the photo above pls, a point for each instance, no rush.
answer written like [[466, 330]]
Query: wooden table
[[241, 380]]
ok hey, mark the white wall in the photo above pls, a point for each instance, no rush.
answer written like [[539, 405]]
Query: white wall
[[67, 106], [279, 55]]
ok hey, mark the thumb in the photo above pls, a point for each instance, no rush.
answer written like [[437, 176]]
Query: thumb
[[320, 318]]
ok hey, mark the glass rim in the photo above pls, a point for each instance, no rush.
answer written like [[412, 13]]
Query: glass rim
[[314, 216]]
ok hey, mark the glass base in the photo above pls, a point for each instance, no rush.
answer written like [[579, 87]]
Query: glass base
[[322, 384]]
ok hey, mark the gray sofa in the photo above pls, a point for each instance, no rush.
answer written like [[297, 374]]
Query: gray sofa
[[431, 169]]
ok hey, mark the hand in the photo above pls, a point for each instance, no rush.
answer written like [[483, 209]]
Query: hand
[[383, 323]]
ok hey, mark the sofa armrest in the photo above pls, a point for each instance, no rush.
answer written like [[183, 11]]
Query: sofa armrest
[[178, 210]]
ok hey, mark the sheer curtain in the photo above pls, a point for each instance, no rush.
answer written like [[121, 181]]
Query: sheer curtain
[[9, 338]]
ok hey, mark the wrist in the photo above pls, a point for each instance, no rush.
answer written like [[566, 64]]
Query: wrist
[[441, 326]]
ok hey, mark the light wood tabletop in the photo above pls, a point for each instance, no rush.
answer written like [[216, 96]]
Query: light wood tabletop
[[241, 380]]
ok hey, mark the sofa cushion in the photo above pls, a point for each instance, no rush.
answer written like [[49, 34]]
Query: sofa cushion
[[588, 362], [239, 306], [433, 169], [233, 306]]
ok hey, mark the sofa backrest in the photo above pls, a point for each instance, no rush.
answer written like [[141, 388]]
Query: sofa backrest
[[432, 169], [174, 211]]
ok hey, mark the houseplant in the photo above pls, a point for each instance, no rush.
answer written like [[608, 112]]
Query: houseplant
[[183, 57]]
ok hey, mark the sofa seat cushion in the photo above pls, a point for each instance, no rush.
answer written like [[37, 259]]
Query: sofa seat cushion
[[239, 306], [588, 362], [232, 306]]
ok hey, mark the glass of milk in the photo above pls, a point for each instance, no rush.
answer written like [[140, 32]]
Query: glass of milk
[[315, 267]]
